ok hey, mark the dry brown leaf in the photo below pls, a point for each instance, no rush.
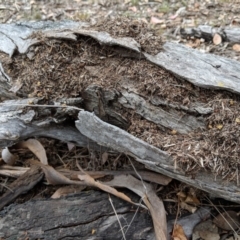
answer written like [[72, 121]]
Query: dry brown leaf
[[149, 197], [178, 233], [228, 220], [74, 174], [186, 199], [89, 181], [12, 173], [63, 191], [55, 178], [236, 47], [153, 177], [8, 157], [192, 200], [217, 39], [173, 132], [145, 175], [209, 235], [181, 196], [35, 147], [193, 44]]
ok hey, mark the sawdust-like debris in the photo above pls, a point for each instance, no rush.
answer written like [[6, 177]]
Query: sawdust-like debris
[[150, 41]]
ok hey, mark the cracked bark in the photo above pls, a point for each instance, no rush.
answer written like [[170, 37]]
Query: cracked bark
[[83, 216]]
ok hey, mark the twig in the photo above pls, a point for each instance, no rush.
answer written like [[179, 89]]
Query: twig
[[110, 200], [223, 216]]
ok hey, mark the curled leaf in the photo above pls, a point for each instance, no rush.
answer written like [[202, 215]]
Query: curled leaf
[[55, 178], [63, 191], [8, 157], [35, 147]]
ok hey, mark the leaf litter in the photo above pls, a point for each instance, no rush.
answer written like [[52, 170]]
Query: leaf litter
[[54, 177]]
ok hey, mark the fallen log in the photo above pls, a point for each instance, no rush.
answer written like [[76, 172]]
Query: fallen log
[[88, 215], [153, 158], [22, 185], [184, 124]]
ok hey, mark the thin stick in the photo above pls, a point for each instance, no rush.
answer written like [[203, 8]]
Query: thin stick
[[110, 200], [141, 199], [223, 216]]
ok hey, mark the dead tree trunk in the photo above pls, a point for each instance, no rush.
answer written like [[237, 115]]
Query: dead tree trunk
[[84, 216], [185, 129]]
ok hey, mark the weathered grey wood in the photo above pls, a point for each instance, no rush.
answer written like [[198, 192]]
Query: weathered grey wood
[[16, 36], [204, 181], [201, 69], [105, 38], [22, 185], [196, 107], [183, 124], [17, 124], [15, 130], [230, 34], [153, 158], [119, 140], [97, 100], [88, 215]]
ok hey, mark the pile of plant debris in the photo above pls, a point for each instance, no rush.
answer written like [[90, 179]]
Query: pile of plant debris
[[63, 69]]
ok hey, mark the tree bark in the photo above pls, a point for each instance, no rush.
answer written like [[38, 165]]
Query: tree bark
[[88, 215]]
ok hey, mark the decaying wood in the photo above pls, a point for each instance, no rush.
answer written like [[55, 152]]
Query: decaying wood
[[88, 215], [158, 115], [22, 185], [152, 157], [203, 70], [16, 124], [230, 34]]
